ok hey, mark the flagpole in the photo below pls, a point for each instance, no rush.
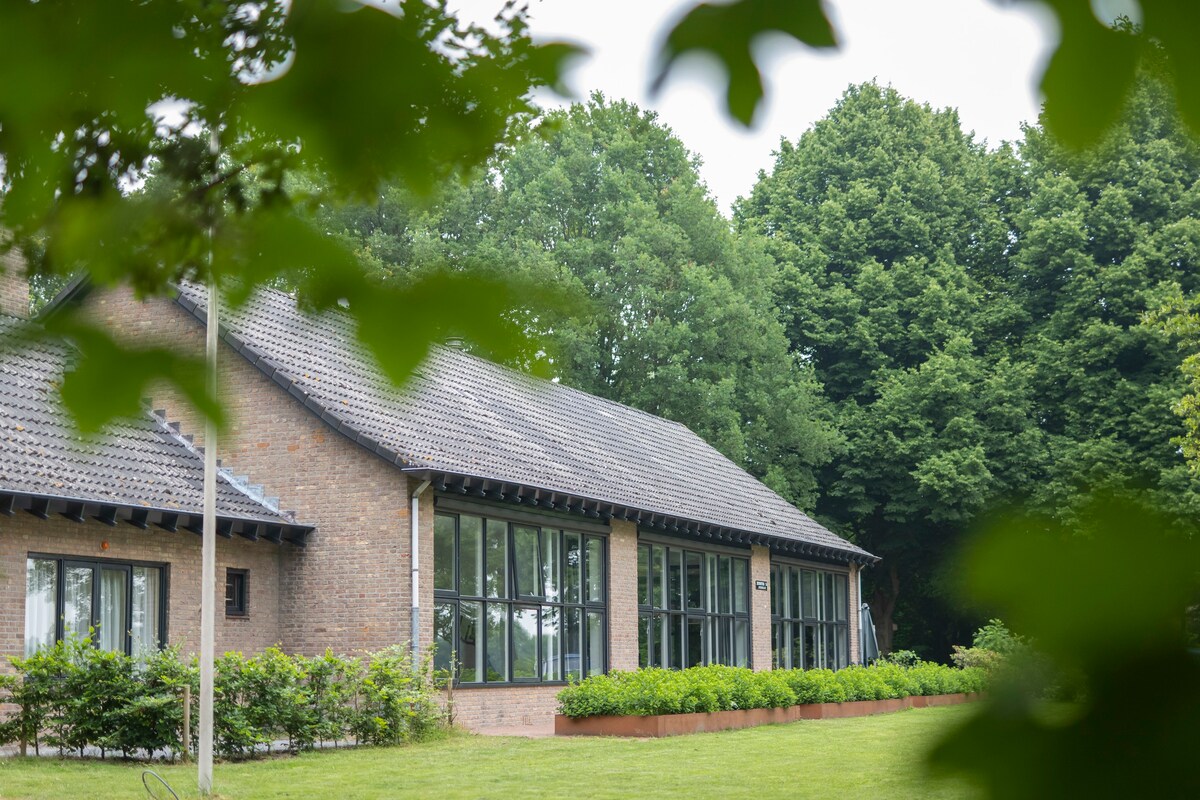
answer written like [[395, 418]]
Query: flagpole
[[208, 570]]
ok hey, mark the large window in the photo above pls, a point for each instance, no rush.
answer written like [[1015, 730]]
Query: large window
[[121, 606], [808, 618], [693, 607], [517, 602]]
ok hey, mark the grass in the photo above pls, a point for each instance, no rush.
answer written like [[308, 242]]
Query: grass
[[879, 756]]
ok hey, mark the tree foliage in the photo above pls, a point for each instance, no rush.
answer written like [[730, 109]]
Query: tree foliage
[[604, 202]]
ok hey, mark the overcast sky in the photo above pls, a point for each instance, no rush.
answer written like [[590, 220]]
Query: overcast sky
[[978, 56]]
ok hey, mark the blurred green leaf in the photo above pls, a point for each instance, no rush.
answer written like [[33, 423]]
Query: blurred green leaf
[[728, 33], [1106, 599], [109, 379]]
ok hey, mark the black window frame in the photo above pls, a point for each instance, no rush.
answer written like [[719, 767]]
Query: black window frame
[[240, 608], [792, 629], [62, 561], [516, 598], [668, 625]]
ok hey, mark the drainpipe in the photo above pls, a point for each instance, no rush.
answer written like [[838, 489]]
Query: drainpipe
[[415, 519], [861, 649]]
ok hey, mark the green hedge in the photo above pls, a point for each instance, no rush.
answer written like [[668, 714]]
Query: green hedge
[[719, 688], [73, 696]]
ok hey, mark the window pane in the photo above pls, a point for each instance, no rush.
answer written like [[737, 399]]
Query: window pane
[[644, 575], [658, 567], [794, 608], [808, 581], [573, 564], [840, 599], [497, 558], [595, 643], [595, 570], [551, 643], [572, 643], [693, 580], [41, 599], [674, 579], [741, 643], [77, 601], [113, 594], [525, 642], [443, 552], [723, 585], [695, 641], [497, 642], [741, 575], [443, 634], [644, 640], [550, 565], [778, 646], [675, 646], [799, 651], [811, 646], [146, 623], [830, 647], [470, 556], [776, 573], [843, 652], [827, 606], [528, 564], [470, 651], [710, 598]]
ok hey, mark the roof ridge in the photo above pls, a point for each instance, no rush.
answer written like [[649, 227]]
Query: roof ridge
[[172, 431]]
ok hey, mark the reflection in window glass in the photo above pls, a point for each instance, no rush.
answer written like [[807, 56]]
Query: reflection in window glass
[[695, 642], [595, 643], [658, 566], [741, 573], [551, 644], [443, 553], [443, 635], [572, 568], [528, 561], [470, 551], [146, 621], [693, 580], [77, 602], [525, 643], [470, 653], [497, 642], [674, 579], [573, 645], [808, 580], [497, 558], [550, 566], [595, 570], [41, 599]]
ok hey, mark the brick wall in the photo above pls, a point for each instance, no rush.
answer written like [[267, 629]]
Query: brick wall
[[14, 286], [622, 596], [350, 588], [760, 609], [505, 706], [23, 534]]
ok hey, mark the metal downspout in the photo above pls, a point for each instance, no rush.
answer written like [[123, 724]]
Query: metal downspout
[[415, 550]]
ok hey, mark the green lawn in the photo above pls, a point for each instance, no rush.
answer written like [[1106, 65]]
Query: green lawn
[[868, 757]]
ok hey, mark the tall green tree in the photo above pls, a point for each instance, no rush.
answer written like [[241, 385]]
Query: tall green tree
[[887, 222], [1104, 238], [605, 202]]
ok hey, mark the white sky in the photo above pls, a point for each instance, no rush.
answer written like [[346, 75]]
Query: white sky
[[979, 56]]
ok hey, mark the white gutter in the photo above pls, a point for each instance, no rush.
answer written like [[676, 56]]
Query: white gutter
[[415, 550]]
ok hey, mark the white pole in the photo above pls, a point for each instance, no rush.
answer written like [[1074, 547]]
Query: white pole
[[208, 570]]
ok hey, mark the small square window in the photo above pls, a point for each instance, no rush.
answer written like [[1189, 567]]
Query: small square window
[[237, 592]]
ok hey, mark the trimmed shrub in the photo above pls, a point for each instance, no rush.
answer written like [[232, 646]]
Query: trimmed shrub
[[654, 691], [74, 696]]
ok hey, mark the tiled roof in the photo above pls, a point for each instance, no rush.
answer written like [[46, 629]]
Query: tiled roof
[[467, 416], [137, 463]]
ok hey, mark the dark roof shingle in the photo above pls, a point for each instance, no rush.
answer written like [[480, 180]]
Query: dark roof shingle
[[140, 462], [467, 416]]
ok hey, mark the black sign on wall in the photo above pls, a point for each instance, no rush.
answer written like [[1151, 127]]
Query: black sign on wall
[[760, 585]]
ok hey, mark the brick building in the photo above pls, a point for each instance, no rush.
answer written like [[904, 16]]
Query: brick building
[[557, 534]]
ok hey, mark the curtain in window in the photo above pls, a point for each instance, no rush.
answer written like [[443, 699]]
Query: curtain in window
[[41, 597], [145, 624], [112, 609]]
